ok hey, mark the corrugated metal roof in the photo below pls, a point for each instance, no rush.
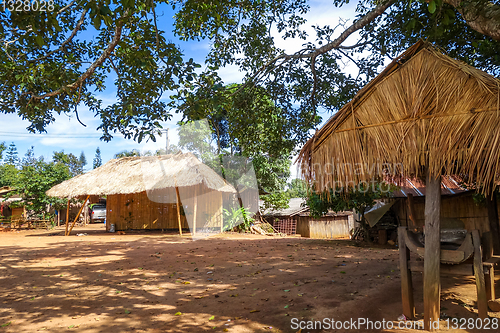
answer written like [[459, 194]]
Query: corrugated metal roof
[[295, 207], [450, 185]]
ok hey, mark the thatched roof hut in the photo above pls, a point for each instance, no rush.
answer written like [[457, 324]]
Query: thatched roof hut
[[425, 115], [154, 192], [136, 174], [425, 108]]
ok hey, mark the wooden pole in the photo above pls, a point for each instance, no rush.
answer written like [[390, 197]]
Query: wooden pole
[[58, 217], [67, 219], [432, 254], [406, 280], [178, 209], [482, 302], [195, 210], [78, 215]]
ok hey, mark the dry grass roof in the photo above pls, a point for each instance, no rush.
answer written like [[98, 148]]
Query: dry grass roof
[[138, 174], [424, 109]]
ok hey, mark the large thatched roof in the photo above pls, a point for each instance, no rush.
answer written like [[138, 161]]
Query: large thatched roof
[[425, 108], [138, 174]]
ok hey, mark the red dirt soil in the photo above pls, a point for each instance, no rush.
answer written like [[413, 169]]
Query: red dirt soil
[[159, 282]]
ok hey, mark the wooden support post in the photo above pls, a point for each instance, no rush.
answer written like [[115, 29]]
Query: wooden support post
[[412, 220], [406, 279], [195, 210], [482, 302], [59, 218], [67, 219], [489, 280], [78, 215], [178, 209], [432, 257]]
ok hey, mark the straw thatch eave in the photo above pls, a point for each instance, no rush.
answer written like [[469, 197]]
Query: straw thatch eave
[[138, 174], [425, 108]]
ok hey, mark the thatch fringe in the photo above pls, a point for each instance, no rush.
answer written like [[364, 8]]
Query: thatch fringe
[[424, 109], [138, 174]]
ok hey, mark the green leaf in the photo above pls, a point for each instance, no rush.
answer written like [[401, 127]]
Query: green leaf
[[178, 313], [211, 318], [6, 324], [39, 40], [432, 7]]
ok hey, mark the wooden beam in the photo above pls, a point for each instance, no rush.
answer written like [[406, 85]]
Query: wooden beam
[[432, 260], [178, 209], [77, 215], [482, 301], [406, 279], [67, 219]]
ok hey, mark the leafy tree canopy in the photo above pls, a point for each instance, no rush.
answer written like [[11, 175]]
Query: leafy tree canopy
[[74, 164], [53, 61]]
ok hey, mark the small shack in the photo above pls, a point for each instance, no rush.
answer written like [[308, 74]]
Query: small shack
[[296, 219], [154, 192]]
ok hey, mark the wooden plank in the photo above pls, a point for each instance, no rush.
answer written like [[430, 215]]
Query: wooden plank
[[432, 262], [178, 209], [406, 278], [482, 301], [78, 215]]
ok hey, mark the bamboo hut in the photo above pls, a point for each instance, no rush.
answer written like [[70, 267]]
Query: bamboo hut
[[155, 192], [425, 115]]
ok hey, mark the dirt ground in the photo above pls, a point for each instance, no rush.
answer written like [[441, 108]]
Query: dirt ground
[[159, 282]]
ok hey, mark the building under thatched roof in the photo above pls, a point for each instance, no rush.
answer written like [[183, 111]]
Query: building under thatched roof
[[425, 115], [153, 192], [425, 108]]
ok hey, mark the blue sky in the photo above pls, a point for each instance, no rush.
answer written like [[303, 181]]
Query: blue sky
[[68, 135]]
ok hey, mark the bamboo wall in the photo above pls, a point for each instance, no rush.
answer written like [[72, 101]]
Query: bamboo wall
[[458, 211], [327, 227], [138, 211]]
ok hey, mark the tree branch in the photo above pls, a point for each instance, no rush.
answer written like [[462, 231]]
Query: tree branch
[[312, 54], [70, 38], [109, 50], [482, 16]]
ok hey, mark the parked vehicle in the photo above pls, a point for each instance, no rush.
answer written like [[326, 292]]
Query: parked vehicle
[[98, 213]]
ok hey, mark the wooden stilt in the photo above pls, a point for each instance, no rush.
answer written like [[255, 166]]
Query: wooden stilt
[[178, 209], [406, 279], [77, 215], [67, 219], [482, 302], [59, 218], [195, 211], [432, 257]]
